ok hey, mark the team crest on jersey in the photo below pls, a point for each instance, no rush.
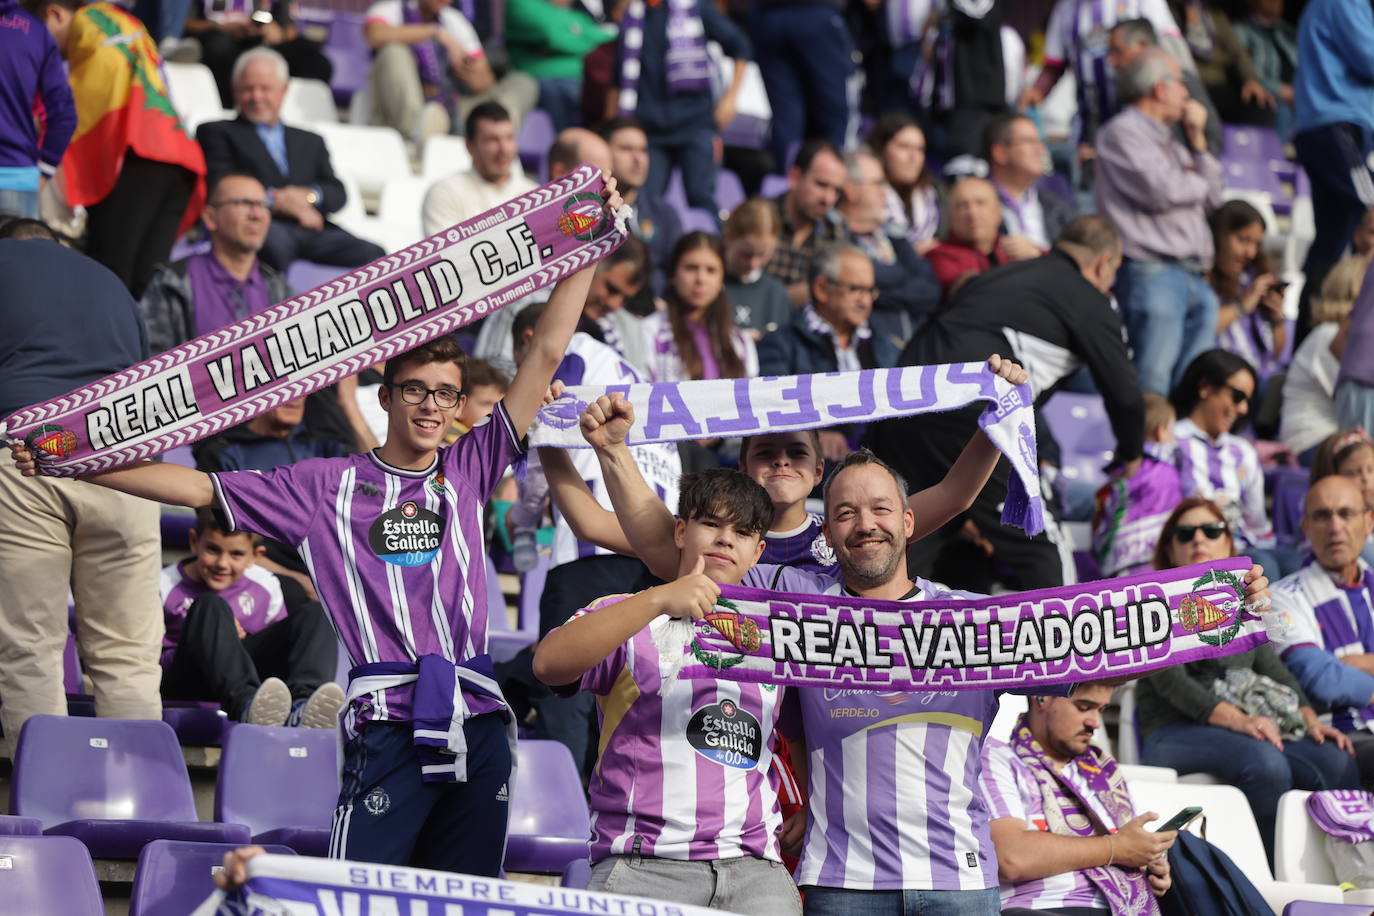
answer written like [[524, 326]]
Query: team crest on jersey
[[367, 489], [822, 552], [408, 535], [726, 734], [1212, 610], [247, 605], [377, 802], [438, 485]]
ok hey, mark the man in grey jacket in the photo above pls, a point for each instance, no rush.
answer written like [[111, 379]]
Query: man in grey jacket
[[215, 288]]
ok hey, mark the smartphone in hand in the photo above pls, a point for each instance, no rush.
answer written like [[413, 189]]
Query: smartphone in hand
[[1180, 820]]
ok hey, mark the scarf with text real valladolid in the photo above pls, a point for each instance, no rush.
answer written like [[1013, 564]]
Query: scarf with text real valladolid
[[235, 373]]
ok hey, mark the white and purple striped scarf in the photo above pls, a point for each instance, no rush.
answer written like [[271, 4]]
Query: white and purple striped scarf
[[394, 304], [688, 66]]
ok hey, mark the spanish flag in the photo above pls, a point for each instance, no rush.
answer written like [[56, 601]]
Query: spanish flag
[[121, 105]]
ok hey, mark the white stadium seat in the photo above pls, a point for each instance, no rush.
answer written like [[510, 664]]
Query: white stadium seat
[[1133, 772], [371, 156], [443, 156], [309, 102], [194, 94], [1230, 826], [402, 199]]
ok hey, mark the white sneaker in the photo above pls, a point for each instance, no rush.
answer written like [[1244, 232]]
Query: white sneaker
[[270, 705], [321, 710]]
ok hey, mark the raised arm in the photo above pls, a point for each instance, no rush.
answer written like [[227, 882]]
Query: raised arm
[[587, 518], [644, 518], [577, 646], [552, 333], [961, 485], [162, 482]]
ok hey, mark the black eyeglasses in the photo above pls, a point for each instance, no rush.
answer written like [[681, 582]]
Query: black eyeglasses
[[1238, 397], [415, 393], [1184, 534], [868, 292]]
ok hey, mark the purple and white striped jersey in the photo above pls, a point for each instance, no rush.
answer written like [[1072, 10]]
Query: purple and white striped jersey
[[1077, 37], [894, 801], [397, 556], [255, 598], [1312, 607], [804, 547], [1010, 790], [1227, 471], [590, 362], [683, 776]]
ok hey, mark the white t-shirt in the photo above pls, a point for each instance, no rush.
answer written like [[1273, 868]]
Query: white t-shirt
[[466, 194], [391, 12], [1309, 408]]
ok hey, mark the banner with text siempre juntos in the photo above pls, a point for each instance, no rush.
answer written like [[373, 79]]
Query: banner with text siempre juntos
[[303, 886], [397, 302], [674, 411], [1116, 627]]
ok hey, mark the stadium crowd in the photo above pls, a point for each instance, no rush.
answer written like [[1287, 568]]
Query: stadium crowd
[[1070, 191]]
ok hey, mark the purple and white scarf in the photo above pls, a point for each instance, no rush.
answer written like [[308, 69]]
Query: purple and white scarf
[[392, 305], [675, 411], [1117, 627], [688, 66], [279, 885], [428, 59], [1066, 813], [1346, 814]]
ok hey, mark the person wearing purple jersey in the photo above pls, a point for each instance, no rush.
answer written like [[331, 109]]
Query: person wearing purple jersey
[[240, 635], [684, 794], [894, 821], [394, 544], [1067, 838]]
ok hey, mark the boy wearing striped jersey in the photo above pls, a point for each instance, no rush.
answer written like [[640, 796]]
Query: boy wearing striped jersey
[[394, 544], [683, 795]]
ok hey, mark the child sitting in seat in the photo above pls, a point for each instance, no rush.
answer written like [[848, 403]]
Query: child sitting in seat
[[1131, 510]]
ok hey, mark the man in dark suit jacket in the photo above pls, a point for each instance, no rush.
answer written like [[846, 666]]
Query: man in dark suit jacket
[[292, 164], [1017, 163]]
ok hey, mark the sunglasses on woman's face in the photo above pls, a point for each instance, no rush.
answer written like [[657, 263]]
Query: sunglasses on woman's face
[[1184, 534]]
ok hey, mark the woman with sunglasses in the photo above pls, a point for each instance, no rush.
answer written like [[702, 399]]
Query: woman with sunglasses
[[1243, 718], [1211, 400]]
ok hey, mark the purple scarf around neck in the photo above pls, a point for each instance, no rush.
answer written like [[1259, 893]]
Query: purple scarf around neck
[[1127, 891], [688, 66], [428, 58]]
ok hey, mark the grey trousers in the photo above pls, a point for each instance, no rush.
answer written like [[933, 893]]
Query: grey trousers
[[746, 885]]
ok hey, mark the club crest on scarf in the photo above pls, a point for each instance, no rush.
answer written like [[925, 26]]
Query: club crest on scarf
[[52, 440], [583, 217], [563, 413], [744, 634], [1215, 620]]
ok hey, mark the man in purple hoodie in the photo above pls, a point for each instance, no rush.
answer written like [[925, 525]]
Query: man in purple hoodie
[[37, 115]]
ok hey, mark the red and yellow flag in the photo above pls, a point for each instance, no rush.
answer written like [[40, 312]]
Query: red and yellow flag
[[122, 104]]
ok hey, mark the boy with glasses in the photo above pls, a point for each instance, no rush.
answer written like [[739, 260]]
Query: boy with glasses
[[394, 543]]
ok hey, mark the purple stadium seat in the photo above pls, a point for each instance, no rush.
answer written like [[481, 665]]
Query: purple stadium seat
[[531, 589], [676, 192], [773, 186], [536, 136], [173, 878], [198, 723], [1289, 485], [729, 191], [306, 275], [496, 600], [1313, 908], [697, 220], [48, 876], [1260, 144], [282, 782], [748, 131], [12, 825], [114, 784], [549, 825], [1079, 422], [347, 50], [71, 667], [176, 527], [578, 874]]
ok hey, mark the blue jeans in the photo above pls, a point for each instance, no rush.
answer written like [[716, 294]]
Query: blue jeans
[[1171, 318], [692, 150], [19, 203], [562, 99], [1355, 405], [838, 901], [1253, 766]]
